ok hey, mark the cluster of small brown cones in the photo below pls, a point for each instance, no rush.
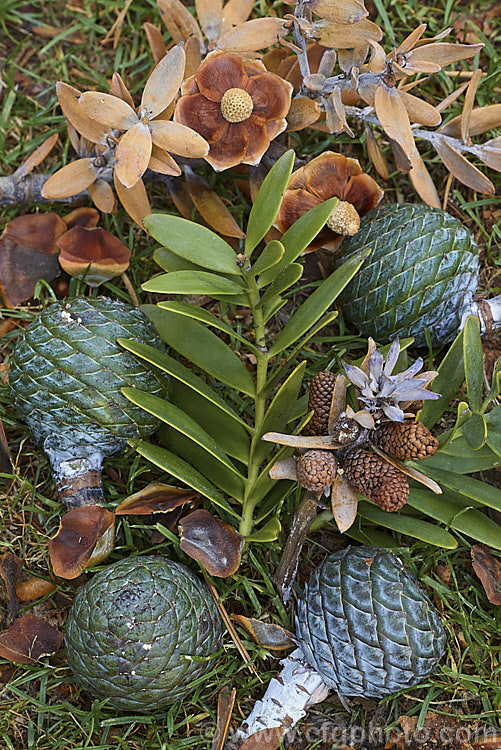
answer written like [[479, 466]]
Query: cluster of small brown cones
[[363, 464]]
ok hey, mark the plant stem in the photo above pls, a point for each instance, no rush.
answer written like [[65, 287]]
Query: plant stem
[[259, 405]]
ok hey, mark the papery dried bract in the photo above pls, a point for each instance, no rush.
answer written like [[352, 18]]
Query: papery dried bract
[[488, 569], [344, 503], [156, 497], [302, 113], [214, 544], [85, 538]]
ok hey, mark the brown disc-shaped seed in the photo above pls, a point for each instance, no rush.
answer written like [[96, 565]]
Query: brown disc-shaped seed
[[321, 390], [375, 478], [407, 440], [316, 471]]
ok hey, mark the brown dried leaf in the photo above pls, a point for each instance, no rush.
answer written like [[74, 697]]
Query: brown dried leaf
[[490, 154], [236, 12], [179, 139], [164, 82], [462, 169], [28, 639], [193, 52], [178, 20], [451, 98], [28, 253], [301, 441], [36, 157], [303, 113], [411, 40], [211, 207], [109, 110], [481, 120], [210, 15], [346, 12], [214, 544], [284, 469], [92, 254], [377, 62], [375, 154], [156, 497], [266, 739], [85, 538], [133, 154], [162, 162], [253, 35], [103, 196], [119, 89], [469, 101], [422, 181], [5, 457], [392, 115], [181, 198], [344, 503], [225, 703], [442, 53], [340, 111], [338, 402], [155, 41], [70, 180], [11, 567], [91, 129], [402, 161], [344, 36], [267, 634], [488, 569], [33, 588], [134, 200], [420, 111]]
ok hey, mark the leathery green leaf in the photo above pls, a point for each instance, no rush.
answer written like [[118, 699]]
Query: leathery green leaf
[[475, 430], [191, 282], [193, 242], [458, 515], [278, 412], [297, 238], [231, 436], [176, 467], [414, 527], [194, 454], [269, 257], [283, 281], [180, 421], [268, 533], [169, 261], [268, 201], [317, 303], [202, 347], [459, 457], [480, 492], [473, 361], [204, 316], [449, 378], [181, 373]]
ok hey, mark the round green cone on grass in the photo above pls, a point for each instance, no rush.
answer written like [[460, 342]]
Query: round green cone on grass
[[140, 632]]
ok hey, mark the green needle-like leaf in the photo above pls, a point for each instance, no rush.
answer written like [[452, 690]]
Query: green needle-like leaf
[[317, 303], [193, 242], [268, 201], [202, 347]]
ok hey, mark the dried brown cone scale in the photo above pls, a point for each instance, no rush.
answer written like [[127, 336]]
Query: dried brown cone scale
[[316, 471], [320, 398], [406, 441], [375, 478]]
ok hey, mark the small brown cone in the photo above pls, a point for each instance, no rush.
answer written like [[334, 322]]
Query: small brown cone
[[316, 471], [406, 441], [375, 478], [321, 390]]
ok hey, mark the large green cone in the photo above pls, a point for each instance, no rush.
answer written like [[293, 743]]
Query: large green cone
[[422, 273], [141, 631], [67, 372], [366, 625]]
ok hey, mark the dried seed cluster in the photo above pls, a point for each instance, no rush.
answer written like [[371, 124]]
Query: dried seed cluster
[[410, 440], [316, 471], [376, 478], [321, 390], [236, 105], [344, 219]]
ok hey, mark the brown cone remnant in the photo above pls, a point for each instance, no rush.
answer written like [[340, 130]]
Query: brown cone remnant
[[375, 478], [407, 440], [316, 471], [345, 431], [321, 390]]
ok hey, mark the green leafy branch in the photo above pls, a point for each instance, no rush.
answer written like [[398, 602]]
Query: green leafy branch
[[212, 434]]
